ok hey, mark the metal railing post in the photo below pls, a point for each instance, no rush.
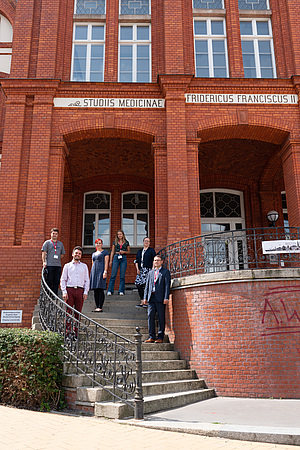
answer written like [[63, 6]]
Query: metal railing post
[[138, 398]]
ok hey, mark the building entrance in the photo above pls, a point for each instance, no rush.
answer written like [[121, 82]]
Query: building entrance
[[222, 216]]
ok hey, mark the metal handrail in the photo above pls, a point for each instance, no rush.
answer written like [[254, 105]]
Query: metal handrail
[[100, 354], [229, 250]]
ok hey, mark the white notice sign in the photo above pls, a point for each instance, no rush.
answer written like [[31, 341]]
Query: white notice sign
[[275, 247], [10, 316]]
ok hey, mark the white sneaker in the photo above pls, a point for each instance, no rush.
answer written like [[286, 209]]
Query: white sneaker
[[108, 293], [121, 293]]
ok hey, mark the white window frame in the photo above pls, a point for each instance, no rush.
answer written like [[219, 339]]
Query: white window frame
[[88, 43], [134, 42], [135, 212], [134, 14], [6, 35], [75, 7], [96, 212], [255, 38], [240, 219], [210, 38]]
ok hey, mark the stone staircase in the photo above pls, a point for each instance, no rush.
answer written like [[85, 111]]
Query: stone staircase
[[167, 381]]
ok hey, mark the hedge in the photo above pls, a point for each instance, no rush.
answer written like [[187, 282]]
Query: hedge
[[31, 369]]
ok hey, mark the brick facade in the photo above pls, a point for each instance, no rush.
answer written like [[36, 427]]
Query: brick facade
[[52, 156]]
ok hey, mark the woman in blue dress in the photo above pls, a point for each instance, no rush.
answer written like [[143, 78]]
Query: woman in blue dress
[[99, 274]]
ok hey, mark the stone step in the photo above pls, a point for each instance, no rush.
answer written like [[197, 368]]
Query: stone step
[[74, 381], [152, 404], [153, 365], [166, 346]]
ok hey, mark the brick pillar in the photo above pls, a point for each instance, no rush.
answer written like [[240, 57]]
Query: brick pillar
[[174, 59], [268, 203], [58, 153], [161, 194], [174, 88], [48, 34], [291, 173], [193, 185], [39, 176], [11, 165], [293, 15], [111, 41], [234, 46]]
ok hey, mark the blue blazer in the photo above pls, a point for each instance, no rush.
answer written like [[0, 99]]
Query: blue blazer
[[162, 285]]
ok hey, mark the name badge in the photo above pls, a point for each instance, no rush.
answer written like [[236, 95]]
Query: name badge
[[55, 256]]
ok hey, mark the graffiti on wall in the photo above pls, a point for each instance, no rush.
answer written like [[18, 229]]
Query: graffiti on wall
[[281, 311]]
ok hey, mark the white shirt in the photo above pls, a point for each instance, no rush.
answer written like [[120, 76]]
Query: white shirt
[[75, 274]]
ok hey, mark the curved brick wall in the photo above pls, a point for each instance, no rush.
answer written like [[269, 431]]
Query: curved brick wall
[[240, 331]]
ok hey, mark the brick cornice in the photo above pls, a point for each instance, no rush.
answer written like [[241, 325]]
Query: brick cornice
[[174, 86], [285, 153], [29, 86]]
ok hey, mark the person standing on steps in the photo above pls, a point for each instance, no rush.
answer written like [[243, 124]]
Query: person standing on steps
[[156, 295], [120, 249], [99, 274], [52, 252], [74, 284], [143, 264]]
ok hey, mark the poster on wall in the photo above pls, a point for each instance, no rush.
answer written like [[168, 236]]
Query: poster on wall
[[275, 247]]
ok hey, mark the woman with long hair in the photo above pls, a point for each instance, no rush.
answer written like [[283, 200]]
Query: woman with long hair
[[99, 274], [120, 249]]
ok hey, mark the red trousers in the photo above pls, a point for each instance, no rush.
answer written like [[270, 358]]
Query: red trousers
[[75, 300]]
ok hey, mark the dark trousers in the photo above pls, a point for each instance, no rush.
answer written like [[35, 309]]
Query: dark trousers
[[75, 300], [99, 297], [53, 277], [156, 307], [141, 289]]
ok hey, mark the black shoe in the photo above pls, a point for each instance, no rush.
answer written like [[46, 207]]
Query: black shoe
[[139, 306]]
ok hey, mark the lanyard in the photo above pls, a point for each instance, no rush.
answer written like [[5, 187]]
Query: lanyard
[[54, 245], [155, 275]]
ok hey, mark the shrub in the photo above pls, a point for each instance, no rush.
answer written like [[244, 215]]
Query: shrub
[[31, 369]]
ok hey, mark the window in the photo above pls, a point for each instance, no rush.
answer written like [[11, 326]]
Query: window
[[208, 4], [257, 49], [92, 7], [253, 4], [285, 211], [220, 204], [134, 53], [88, 52], [135, 7], [96, 218], [135, 217], [210, 48], [6, 35]]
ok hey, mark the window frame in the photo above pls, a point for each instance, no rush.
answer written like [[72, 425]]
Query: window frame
[[96, 212], [209, 38], [121, 14], [212, 9], [255, 38], [135, 212], [252, 9], [134, 42], [88, 43]]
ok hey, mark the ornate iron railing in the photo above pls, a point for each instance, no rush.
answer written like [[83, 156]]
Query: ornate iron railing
[[229, 250], [109, 360]]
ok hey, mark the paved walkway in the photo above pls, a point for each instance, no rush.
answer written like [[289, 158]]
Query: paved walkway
[[29, 430]]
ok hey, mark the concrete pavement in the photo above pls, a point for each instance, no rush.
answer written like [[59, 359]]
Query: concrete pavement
[[29, 430], [257, 420]]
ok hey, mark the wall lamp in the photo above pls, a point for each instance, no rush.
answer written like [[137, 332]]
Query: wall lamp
[[272, 217]]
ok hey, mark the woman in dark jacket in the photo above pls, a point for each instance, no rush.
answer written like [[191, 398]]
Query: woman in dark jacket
[[143, 264]]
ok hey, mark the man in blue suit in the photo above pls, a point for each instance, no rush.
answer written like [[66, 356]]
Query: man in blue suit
[[156, 294]]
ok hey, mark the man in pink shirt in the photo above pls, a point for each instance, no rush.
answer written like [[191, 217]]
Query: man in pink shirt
[[74, 284]]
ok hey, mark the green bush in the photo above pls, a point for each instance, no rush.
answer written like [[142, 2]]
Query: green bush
[[31, 369]]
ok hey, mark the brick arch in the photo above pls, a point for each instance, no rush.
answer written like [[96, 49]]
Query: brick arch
[[101, 127], [269, 131], [8, 10]]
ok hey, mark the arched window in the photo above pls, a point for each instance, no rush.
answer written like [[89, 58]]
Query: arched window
[[135, 217], [96, 218], [6, 36]]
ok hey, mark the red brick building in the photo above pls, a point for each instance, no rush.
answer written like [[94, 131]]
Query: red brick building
[[117, 113]]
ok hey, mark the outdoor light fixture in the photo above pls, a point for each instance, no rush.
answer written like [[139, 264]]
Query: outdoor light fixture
[[272, 217]]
